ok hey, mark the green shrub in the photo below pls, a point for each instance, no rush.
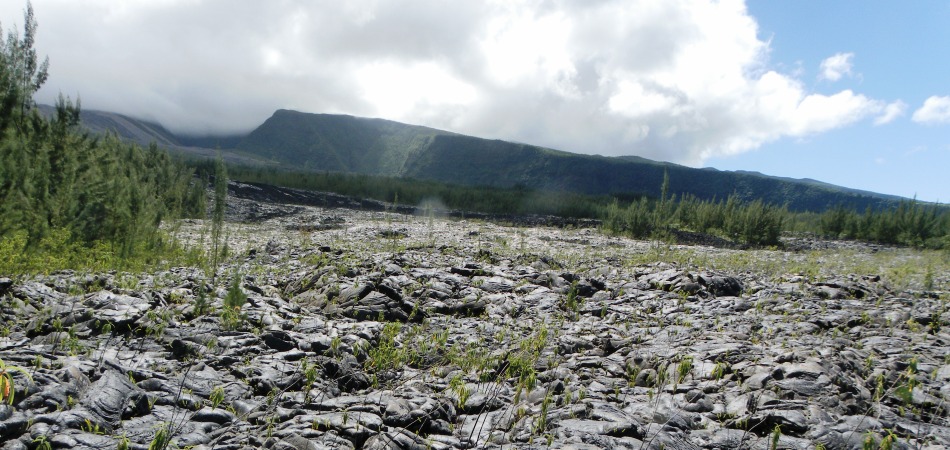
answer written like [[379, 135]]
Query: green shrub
[[231, 316], [910, 223], [73, 197]]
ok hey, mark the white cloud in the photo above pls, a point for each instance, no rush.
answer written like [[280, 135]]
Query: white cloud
[[936, 110], [836, 66], [891, 112], [396, 90], [679, 81]]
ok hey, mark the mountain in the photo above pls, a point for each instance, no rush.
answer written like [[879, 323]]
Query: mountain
[[144, 133], [382, 147], [341, 143]]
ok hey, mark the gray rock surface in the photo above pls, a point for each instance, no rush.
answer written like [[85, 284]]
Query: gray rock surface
[[464, 334]]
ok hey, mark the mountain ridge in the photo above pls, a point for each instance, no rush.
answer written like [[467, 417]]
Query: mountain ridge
[[342, 143]]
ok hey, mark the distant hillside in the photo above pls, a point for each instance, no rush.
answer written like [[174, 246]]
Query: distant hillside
[[341, 143], [139, 131], [326, 142], [144, 133]]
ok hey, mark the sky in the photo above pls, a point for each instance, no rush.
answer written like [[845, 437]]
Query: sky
[[853, 93]]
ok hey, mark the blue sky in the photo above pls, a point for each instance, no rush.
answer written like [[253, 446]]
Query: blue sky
[[900, 52], [833, 91]]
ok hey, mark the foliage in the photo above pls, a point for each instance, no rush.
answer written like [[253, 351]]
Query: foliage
[[231, 316], [65, 196], [20, 72], [217, 213], [216, 397], [754, 223], [6, 381], [909, 223], [337, 143], [636, 220], [162, 438], [497, 200]]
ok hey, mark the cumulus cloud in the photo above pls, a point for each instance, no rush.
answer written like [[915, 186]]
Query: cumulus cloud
[[891, 112], [834, 67], [679, 81], [936, 110]]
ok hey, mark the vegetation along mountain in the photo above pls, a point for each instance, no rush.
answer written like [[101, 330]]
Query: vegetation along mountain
[[327, 142], [67, 198], [391, 161], [347, 144]]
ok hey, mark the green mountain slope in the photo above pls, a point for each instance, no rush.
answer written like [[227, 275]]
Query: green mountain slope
[[326, 142], [341, 143], [504, 164], [338, 143]]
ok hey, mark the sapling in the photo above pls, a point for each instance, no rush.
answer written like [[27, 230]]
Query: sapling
[[231, 316]]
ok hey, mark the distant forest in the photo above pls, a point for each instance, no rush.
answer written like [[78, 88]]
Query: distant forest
[[910, 223]]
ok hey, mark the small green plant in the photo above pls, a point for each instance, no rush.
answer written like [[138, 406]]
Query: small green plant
[[683, 369], [124, 443], [202, 303], [231, 316], [157, 322], [310, 376], [541, 422], [387, 355], [879, 388], [870, 443], [105, 327], [41, 442], [216, 397], [457, 385], [162, 438], [720, 370], [91, 427], [335, 345], [271, 422], [572, 302], [6, 381], [776, 435], [888, 442]]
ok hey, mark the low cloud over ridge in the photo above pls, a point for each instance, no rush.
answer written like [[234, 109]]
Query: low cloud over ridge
[[680, 81]]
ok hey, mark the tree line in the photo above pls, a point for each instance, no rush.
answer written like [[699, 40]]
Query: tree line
[[910, 223], [408, 191], [756, 223], [66, 194]]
